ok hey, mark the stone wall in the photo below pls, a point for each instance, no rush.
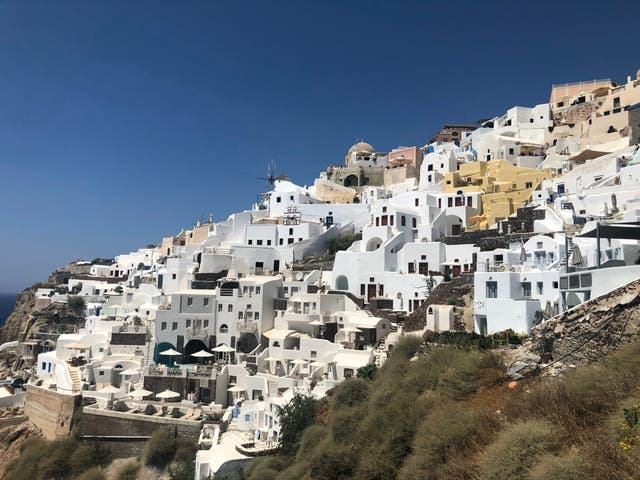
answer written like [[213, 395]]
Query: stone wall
[[50, 411], [97, 422], [634, 126]]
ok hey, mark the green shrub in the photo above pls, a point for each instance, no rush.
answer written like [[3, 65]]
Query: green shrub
[[516, 449], [76, 304], [87, 455], [128, 470], [444, 432], [368, 372], [564, 467], [350, 392], [95, 473], [332, 463], [266, 468], [294, 417], [312, 438], [160, 449]]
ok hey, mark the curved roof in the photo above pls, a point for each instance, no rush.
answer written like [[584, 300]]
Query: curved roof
[[361, 147]]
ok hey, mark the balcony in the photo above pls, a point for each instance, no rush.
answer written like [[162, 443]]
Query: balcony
[[197, 333]]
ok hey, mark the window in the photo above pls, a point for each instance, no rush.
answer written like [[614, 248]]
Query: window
[[174, 325], [348, 372], [526, 289], [429, 168], [540, 287], [414, 222], [220, 306], [538, 244], [384, 209], [314, 354], [492, 289], [417, 202], [257, 290], [511, 151], [205, 302], [281, 241], [230, 308], [240, 315], [173, 276], [616, 102], [449, 202], [259, 242], [362, 289], [101, 373], [205, 323], [290, 241], [555, 285], [224, 328], [268, 242], [291, 231], [257, 316], [278, 199], [403, 221], [163, 326], [189, 301], [250, 242], [528, 185], [188, 322]]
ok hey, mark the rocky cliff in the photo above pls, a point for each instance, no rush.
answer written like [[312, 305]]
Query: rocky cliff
[[23, 308], [582, 335]]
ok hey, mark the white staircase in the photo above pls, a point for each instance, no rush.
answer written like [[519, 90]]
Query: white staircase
[[74, 373]]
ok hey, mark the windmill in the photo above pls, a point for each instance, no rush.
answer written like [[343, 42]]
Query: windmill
[[272, 177]]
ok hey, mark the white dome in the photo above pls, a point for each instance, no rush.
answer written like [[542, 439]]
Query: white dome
[[361, 147]]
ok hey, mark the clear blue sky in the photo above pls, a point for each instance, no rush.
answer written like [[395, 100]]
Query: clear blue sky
[[121, 122]]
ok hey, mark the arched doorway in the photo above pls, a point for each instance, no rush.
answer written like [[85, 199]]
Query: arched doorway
[[342, 283], [247, 342], [163, 359], [192, 347], [351, 181], [374, 244]]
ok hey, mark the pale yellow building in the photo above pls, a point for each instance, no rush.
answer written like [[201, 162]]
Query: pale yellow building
[[505, 188]]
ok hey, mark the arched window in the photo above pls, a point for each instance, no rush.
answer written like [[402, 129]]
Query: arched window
[[224, 328], [276, 343], [403, 221], [414, 222]]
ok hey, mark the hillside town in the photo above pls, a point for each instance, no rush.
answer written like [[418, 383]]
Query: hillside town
[[212, 329]]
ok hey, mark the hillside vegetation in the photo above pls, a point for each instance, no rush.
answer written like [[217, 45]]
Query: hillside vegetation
[[451, 414]]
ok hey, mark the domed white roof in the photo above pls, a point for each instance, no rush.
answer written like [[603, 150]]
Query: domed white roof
[[361, 147]]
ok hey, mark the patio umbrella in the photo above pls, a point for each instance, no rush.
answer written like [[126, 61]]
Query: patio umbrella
[[523, 255], [317, 323], [170, 353], [299, 361], [225, 350], [202, 354], [576, 257], [76, 346], [236, 390], [110, 391], [140, 394], [167, 394]]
